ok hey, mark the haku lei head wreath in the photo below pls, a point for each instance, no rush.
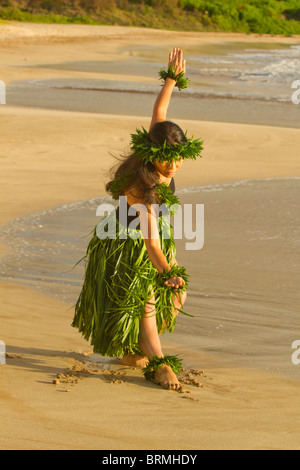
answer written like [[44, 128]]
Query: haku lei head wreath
[[151, 152]]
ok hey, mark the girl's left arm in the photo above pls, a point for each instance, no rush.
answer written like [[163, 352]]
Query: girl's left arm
[[162, 102]]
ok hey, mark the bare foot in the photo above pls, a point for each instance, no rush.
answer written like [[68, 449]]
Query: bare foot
[[135, 360], [167, 378]]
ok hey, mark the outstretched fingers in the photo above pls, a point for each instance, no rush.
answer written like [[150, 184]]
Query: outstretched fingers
[[176, 60]]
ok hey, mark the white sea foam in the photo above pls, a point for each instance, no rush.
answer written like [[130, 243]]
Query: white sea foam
[[252, 74]]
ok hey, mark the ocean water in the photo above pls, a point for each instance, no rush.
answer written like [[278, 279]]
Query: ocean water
[[244, 288], [228, 82], [256, 72]]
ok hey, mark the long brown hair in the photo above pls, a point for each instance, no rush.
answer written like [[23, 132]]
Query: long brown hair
[[133, 174]]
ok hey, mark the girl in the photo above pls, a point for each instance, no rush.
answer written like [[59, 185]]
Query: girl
[[133, 287]]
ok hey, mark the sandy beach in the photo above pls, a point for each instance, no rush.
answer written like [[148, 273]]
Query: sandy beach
[[51, 157]]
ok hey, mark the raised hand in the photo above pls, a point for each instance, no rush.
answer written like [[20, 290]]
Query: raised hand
[[171, 78], [176, 60]]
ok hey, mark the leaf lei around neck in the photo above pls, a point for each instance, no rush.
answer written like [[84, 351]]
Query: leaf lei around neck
[[149, 152]]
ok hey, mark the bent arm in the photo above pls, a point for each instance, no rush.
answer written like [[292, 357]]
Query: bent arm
[[150, 232], [149, 229], [157, 257]]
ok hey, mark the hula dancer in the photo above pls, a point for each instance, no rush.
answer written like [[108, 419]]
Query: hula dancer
[[133, 287]]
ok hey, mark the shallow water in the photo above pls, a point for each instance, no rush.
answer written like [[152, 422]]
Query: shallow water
[[233, 70], [244, 288], [227, 83]]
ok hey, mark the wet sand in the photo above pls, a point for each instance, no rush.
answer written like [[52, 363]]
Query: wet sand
[[55, 157]]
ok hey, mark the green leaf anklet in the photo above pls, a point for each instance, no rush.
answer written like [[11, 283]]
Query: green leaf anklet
[[181, 82], [152, 367]]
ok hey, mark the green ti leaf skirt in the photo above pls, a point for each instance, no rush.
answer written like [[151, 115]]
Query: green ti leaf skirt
[[119, 280]]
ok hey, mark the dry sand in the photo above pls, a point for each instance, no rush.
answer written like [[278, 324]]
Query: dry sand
[[52, 157]]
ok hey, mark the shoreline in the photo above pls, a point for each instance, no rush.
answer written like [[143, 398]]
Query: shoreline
[[241, 111], [49, 150], [124, 55]]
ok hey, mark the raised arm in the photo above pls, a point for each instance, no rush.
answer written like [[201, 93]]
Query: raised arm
[[150, 233], [162, 102]]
